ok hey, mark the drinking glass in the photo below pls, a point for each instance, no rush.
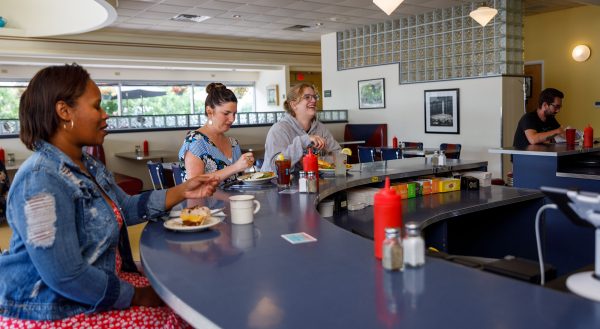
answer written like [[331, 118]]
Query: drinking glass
[[283, 172]]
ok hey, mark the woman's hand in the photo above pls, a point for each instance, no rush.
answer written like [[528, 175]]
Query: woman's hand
[[146, 296], [200, 186], [245, 161], [318, 141]]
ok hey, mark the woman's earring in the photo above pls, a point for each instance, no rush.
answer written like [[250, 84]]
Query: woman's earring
[[72, 124], [209, 122]]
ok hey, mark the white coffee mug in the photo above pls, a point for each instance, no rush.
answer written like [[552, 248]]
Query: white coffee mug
[[243, 207]]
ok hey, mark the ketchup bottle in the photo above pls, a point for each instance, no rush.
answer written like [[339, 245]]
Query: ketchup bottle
[[146, 147], [310, 163], [395, 142], [588, 136], [2, 156], [387, 211]]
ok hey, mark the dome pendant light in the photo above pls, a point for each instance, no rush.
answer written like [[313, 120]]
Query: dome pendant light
[[483, 15], [388, 6]]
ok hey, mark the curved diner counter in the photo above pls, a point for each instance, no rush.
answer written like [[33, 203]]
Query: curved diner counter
[[248, 276], [567, 246]]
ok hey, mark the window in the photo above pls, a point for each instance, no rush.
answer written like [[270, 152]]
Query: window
[[243, 93], [10, 94]]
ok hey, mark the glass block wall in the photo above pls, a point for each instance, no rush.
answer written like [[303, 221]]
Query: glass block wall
[[440, 45]]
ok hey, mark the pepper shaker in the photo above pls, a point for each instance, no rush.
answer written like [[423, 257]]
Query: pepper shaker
[[393, 255]]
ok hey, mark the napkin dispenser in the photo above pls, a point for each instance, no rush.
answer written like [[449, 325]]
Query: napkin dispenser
[[469, 183]]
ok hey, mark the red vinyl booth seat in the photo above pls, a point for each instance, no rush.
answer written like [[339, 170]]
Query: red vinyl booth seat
[[131, 185]]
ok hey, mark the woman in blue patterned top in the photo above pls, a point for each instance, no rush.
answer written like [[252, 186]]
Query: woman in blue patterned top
[[207, 149]]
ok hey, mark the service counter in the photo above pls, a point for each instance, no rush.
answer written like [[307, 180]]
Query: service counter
[[248, 276], [567, 246]]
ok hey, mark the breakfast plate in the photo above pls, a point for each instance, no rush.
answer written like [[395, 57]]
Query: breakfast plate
[[257, 178], [213, 212], [175, 224]]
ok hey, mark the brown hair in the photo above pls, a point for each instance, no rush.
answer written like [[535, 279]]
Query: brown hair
[[37, 115], [293, 94], [548, 95], [217, 94]]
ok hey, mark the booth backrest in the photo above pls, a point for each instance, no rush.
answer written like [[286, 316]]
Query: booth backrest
[[374, 135]]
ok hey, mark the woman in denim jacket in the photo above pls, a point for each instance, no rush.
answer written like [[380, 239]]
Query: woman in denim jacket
[[69, 256]]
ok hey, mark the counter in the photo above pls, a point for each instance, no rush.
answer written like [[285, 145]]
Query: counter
[[248, 276], [565, 166]]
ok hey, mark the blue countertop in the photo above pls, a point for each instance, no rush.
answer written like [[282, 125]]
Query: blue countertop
[[248, 276]]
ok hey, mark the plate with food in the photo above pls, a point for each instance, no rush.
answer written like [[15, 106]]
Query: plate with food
[[257, 178], [193, 219], [213, 212]]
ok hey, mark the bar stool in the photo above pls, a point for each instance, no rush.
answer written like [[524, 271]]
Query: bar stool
[[366, 154], [390, 153]]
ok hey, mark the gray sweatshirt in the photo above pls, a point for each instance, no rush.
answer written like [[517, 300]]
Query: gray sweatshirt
[[288, 137]]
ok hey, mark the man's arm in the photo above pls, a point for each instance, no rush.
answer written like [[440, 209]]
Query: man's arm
[[535, 137]]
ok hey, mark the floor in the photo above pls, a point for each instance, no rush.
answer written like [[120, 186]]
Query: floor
[[135, 233]]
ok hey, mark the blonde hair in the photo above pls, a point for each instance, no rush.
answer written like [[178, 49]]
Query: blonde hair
[[293, 94]]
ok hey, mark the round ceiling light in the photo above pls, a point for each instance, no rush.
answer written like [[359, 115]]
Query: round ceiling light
[[581, 53]]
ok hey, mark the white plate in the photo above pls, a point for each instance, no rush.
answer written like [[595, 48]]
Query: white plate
[[175, 224], [247, 180]]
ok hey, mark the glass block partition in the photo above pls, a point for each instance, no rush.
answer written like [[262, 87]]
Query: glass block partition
[[440, 45], [10, 128]]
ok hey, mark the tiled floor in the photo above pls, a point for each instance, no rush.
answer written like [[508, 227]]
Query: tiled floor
[[135, 233]]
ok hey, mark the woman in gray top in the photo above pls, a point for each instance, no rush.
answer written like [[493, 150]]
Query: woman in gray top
[[297, 129]]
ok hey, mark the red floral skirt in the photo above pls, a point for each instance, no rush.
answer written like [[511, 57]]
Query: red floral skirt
[[134, 317]]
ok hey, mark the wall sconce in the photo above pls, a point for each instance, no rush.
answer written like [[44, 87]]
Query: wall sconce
[[483, 15], [581, 53], [388, 6]]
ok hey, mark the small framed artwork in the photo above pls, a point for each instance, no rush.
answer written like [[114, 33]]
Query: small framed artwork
[[442, 111], [528, 81], [371, 94], [273, 95]]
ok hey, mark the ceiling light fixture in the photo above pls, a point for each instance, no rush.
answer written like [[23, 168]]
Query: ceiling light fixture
[[388, 6], [483, 15], [581, 53]]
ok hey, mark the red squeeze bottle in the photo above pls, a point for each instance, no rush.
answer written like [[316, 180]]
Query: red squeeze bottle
[[387, 209], [146, 147], [395, 142], [310, 162], [588, 136], [2, 156]]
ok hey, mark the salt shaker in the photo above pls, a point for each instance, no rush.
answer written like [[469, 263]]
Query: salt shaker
[[414, 246], [435, 159], [302, 182], [392, 259], [442, 159]]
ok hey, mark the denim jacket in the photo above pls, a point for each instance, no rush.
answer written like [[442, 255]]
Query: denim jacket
[[62, 253]]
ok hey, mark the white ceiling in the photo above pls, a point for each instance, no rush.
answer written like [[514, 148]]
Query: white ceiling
[[266, 19]]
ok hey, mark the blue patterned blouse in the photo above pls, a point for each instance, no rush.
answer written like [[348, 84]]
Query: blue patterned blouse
[[202, 147]]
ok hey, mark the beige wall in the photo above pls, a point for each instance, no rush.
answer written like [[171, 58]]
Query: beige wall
[[550, 38]]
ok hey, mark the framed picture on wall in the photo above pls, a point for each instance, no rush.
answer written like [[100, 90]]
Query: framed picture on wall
[[371, 94], [528, 81], [273, 95], [442, 111]]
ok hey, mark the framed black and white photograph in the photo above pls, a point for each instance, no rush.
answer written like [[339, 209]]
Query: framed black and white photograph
[[273, 95], [442, 111], [371, 94], [528, 81]]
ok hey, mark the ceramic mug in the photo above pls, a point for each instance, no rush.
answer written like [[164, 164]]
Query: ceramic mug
[[243, 207]]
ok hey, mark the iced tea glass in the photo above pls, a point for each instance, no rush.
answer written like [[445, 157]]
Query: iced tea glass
[[283, 172]]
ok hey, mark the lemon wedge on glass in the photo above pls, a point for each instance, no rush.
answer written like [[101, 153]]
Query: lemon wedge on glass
[[280, 157], [346, 151]]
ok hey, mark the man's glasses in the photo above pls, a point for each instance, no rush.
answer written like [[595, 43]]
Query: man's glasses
[[556, 106], [308, 97]]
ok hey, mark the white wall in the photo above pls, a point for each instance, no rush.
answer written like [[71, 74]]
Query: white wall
[[480, 102], [267, 78]]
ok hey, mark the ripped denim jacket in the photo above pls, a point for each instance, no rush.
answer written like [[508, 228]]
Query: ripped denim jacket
[[62, 253]]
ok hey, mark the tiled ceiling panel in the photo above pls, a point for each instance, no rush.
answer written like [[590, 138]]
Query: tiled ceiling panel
[[267, 19]]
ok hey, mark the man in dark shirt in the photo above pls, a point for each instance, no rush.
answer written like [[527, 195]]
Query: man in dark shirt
[[540, 126]]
